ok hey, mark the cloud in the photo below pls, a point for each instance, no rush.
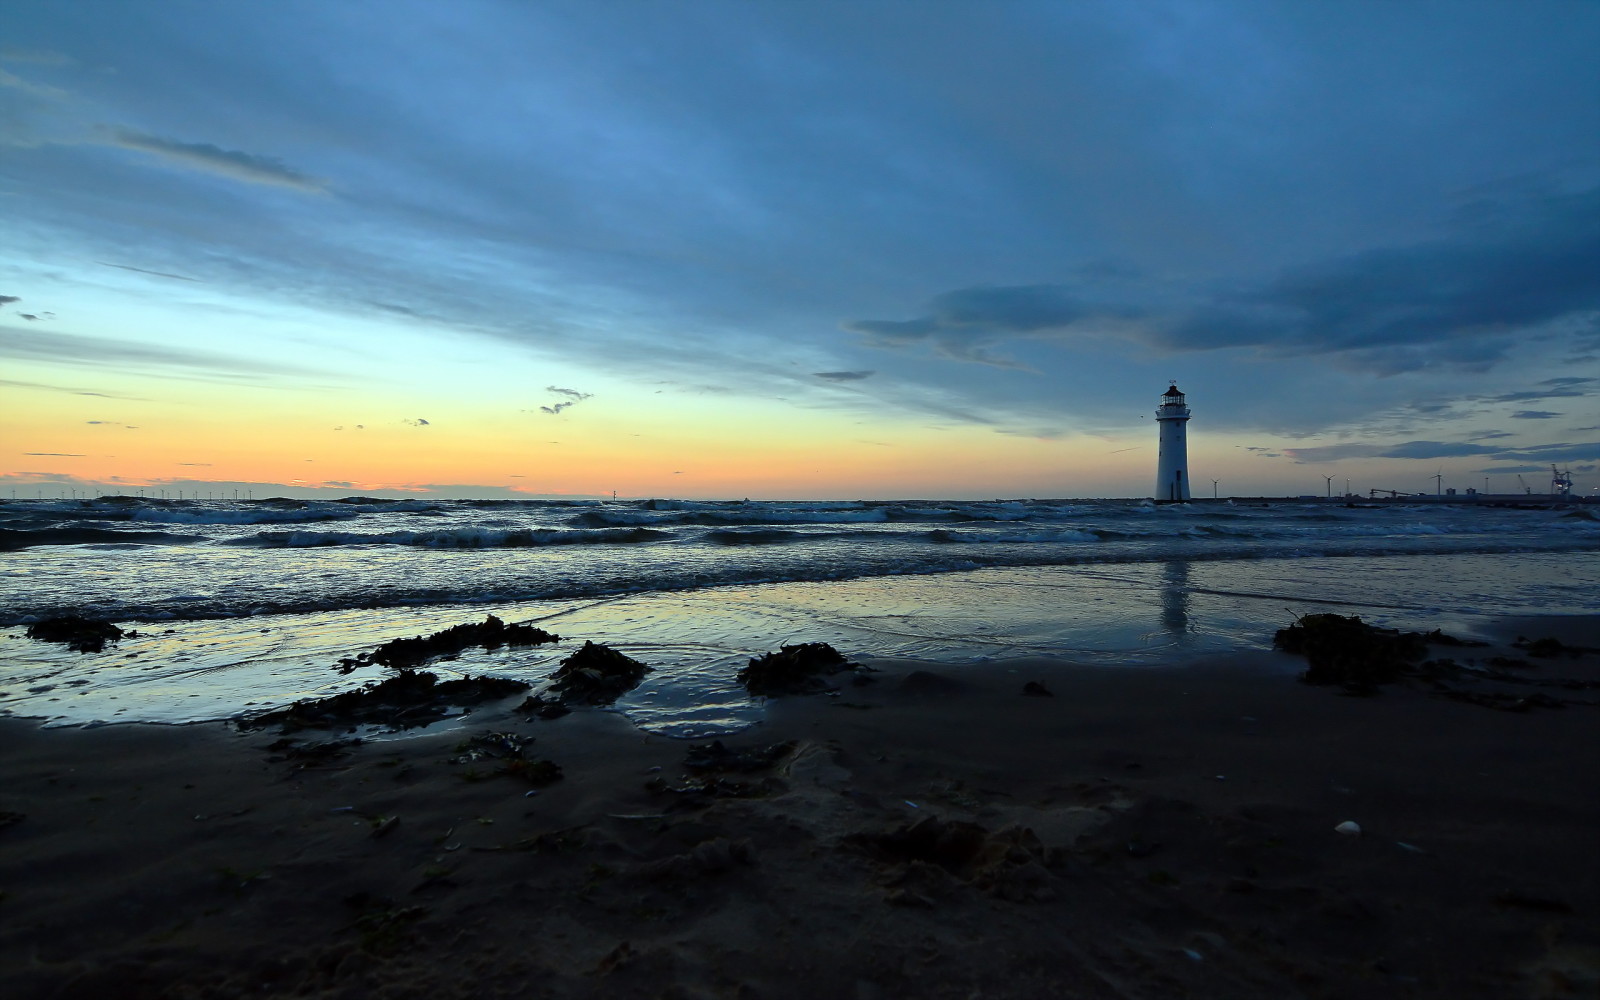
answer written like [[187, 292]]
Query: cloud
[[1563, 452], [198, 465], [1535, 394], [141, 270], [856, 376], [105, 352], [6, 300], [14, 82], [52, 454], [574, 398], [963, 325], [418, 422], [1568, 381], [36, 57], [214, 159], [1434, 449], [61, 388], [1534, 415], [1333, 452], [1454, 301]]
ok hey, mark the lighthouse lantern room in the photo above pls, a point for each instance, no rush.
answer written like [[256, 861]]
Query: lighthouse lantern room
[[1172, 472]]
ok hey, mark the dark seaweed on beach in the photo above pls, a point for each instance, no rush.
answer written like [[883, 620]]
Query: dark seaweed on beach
[[410, 698], [1351, 653], [1360, 657], [86, 635], [797, 669], [716, 757], [490, 634], [539, 706], [510, 751], [596, 675], [1550, 647]]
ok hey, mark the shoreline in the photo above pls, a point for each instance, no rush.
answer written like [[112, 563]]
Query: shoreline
[[1117, 616], [1181, 841]]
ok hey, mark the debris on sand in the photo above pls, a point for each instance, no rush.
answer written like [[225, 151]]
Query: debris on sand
[[491, 746], [86, 635], [720, 773], [1549, 648], [544, 708], [1359, 657], [1439, 638], [716, 757], [510, 750], [1009, 863], [309, 755], [797, 669], [490, 634], [409, 698], [596, 675], [1351, 653]]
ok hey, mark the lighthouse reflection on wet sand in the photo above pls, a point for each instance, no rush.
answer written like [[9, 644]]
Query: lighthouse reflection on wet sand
[[1172, 462]]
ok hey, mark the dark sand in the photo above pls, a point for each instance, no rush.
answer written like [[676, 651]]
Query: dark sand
[[1183, 845]]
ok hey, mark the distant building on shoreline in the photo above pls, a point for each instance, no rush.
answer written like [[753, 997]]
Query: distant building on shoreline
[[1172, 463]]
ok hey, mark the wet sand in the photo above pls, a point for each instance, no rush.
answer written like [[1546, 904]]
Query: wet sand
[[1154, 832]]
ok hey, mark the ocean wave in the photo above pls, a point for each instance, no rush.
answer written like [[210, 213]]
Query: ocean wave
[[947, 536], [454, 538], [731, 517], [11, 539], [755, 536], [161, 515]]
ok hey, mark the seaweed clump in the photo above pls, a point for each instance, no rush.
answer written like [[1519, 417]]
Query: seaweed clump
[[510, 751], [490, 634], [1550, 647], [718, 772], [1351, 653], [596, 675], [797, 669], [86, 635], [1360, 657], [409, 698]]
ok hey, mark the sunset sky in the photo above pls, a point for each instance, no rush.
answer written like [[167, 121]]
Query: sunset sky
[[796, 249]]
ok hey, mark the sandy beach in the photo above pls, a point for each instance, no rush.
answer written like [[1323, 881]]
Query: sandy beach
[[934, 832]]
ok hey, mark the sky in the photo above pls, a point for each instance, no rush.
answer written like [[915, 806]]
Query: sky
[[784, 249]]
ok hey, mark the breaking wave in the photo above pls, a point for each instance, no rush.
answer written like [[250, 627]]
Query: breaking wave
[[12, 539], [453, 538]]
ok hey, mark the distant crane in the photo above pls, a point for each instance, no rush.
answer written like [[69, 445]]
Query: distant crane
[[1560, 481], [1525, 487]]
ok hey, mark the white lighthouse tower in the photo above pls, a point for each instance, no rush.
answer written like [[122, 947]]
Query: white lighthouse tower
[[1172, 471]]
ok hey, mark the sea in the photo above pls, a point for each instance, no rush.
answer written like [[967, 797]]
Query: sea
[[245, 605]]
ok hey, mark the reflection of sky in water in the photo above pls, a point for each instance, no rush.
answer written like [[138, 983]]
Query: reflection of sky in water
[[1137, 614]]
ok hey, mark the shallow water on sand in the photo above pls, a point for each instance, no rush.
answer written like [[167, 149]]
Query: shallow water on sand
[[1132, 615]]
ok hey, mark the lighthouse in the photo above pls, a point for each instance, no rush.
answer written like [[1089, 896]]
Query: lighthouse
[[1172, 462]]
